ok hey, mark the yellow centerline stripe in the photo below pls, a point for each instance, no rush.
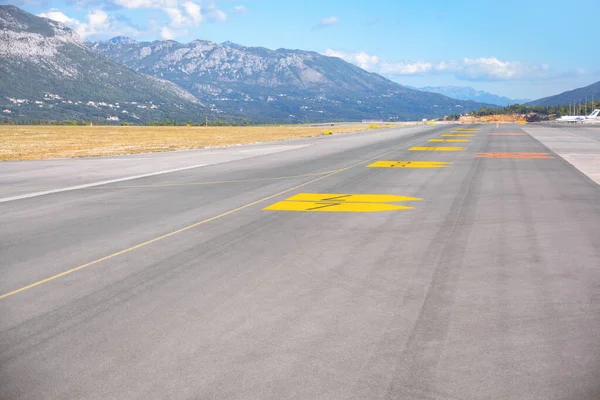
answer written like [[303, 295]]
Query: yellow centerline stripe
[[137, 246]]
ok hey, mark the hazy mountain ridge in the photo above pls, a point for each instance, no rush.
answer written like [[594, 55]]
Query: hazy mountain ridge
[[469, 93], [49, 73], [568, 97], [277, 85]]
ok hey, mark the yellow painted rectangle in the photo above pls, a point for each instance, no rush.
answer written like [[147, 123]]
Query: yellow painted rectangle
[[437, 148], [309, 206], [458, 134], [350, 198], [449, 140], [409, 164]]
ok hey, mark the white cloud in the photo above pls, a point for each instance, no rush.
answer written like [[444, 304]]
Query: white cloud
[[362, 59], [134, 4], [240, 10], [166, 34], [414, 68], [194, 11], [57, 16], [470, 69], [216, 15], [180, 15], [99, 24], [328, 21], [176, 17]]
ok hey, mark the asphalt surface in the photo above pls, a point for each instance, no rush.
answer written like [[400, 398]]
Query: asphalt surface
[[181, 285]]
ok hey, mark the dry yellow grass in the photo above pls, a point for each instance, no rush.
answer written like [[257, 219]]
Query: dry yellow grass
[[42, 142]]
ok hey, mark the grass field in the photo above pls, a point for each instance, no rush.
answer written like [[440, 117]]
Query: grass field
[[42, 142]]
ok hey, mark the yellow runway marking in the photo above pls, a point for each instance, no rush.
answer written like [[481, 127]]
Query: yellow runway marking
[[458, 134], [436, 148], [310, 206], [127, 250], [409, 164], [341, 202], [449, 140], [350, 198]]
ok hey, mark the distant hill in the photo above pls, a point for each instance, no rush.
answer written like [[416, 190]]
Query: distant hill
[[278, 85], [48, 73], [577, 95], [468, 93]]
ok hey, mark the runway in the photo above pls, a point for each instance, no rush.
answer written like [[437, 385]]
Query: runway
[[429, 262]]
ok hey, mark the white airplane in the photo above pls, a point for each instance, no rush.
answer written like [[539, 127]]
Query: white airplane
[[579, 118]]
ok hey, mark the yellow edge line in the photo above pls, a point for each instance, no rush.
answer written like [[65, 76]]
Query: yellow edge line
[[137, 246]]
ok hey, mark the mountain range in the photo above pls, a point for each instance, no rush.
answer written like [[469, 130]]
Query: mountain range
[[469, 93], [579, 95], [48, 73], [278, 85]]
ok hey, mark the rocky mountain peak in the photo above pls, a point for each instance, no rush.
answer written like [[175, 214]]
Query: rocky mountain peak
[[48, 72], [122, 40]]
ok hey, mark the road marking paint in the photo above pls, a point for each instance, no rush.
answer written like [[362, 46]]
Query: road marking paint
[[465, 130], [127, 250], [158, 185], [88, 185], [449, 140], [217, 182], [513, 155], [310, 206], [436, 148], [350, 198], [409, 164], [458, 134]]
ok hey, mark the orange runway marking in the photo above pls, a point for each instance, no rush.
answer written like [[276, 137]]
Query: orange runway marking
[[513, 155]]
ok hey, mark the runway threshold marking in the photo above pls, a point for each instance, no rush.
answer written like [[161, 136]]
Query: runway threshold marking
[[409, 164], [449, 140], [436, 148], [341, 202], [194, 225], [513, 155], [458, 134], [351, 198], [313, 206]]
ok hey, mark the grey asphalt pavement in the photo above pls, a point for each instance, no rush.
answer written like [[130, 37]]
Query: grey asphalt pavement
[[181, 286]]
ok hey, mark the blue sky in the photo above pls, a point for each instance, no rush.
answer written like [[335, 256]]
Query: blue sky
[[519, 49]]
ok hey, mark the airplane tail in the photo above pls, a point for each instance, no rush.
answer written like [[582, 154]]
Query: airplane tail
[[594, 114]]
